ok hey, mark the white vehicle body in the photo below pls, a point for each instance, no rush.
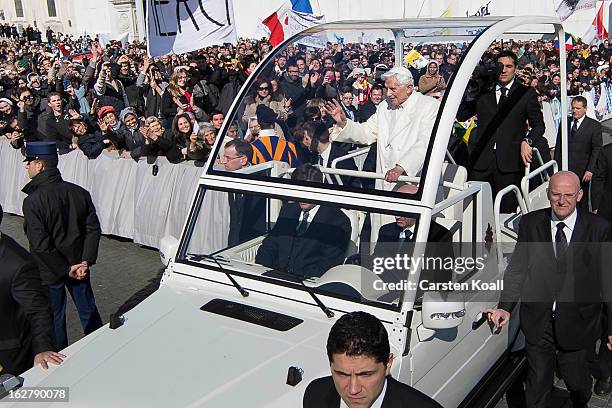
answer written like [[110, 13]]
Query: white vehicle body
[[169, 352]]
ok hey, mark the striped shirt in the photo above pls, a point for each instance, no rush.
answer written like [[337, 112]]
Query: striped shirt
[[268, 148]]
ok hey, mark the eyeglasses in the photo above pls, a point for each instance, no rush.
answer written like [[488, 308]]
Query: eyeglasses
[[263, 88], [567, 196], [226, 159]]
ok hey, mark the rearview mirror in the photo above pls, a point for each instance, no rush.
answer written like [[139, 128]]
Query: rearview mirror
[[442, 310], [168, 246]]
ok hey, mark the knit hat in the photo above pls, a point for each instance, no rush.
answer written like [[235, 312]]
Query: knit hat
[[104, 110], [30, 75], [127, 111], [23, 64], [7, 100], [357, 71]]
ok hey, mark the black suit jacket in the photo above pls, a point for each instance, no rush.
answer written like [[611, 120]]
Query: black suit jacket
[[504, 125], [26, 312], [365, 111], [601, 185], [339, 150], [583, 147], [247, 217], [321, 393], [321, 247], [440, 246], [579, 281]]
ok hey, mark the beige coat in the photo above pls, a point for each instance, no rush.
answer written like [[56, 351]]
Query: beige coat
[[277, 106]]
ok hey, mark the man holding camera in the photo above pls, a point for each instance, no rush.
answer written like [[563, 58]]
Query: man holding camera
[[502, 146]]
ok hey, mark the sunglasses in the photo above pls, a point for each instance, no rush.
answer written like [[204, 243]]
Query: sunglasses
[[263, 88]]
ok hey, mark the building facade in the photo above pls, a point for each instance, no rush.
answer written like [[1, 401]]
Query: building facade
[[78, 17]]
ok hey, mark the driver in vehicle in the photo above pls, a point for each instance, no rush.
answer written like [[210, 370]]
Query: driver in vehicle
[[308, 239], [398, 238]]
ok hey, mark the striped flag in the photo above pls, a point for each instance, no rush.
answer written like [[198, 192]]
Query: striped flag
[[291, 17]]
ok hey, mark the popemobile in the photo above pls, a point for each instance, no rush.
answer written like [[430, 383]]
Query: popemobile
[[224, 330]]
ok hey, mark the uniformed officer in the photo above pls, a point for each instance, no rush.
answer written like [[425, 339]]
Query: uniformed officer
[[63, 231], [269, 146]]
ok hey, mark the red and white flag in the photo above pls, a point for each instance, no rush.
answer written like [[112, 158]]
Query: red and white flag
[[597, 29], [292, 17]]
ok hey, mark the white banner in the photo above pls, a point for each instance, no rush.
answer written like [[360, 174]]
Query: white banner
[[565, 8], [178, 26], [106, 38]]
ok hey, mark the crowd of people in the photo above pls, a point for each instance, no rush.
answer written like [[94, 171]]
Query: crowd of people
[[82, 96], [93, 98]]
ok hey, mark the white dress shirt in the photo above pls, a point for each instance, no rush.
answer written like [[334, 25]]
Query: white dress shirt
[[570, 224], [498, 90], [579, 122], [325, 155], [311, 214], [402, 234], [376, 404]]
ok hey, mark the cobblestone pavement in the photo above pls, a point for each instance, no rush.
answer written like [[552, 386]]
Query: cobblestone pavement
[[125, 274]]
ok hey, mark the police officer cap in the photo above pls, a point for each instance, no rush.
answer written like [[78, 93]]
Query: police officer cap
[[265, 115], [40, 151]]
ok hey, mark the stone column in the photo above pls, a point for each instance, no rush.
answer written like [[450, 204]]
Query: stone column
[[126, 21]]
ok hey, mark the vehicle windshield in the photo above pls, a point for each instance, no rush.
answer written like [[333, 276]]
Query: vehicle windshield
[[335, 100], [348, 253]]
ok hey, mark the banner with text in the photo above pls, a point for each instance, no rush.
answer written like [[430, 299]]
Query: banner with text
[[178, 26]]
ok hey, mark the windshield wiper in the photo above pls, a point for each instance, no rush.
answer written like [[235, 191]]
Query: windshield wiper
[[213, 258], [322, 306]]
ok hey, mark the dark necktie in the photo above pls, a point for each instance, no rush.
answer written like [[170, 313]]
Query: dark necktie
[[560, 240], [503, 90], [320, 160], [403, 241], [301, 229], [574, 129]]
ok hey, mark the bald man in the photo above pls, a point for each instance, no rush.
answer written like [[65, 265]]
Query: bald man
[[558, 271]]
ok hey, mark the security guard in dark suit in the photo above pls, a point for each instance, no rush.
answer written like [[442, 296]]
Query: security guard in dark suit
[[347, 385], [559, 273], [63, 231], [501, 148], [26, 329]]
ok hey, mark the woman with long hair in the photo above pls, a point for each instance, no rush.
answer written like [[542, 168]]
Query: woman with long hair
[[182, 128], [262, 94], [177, 98]]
